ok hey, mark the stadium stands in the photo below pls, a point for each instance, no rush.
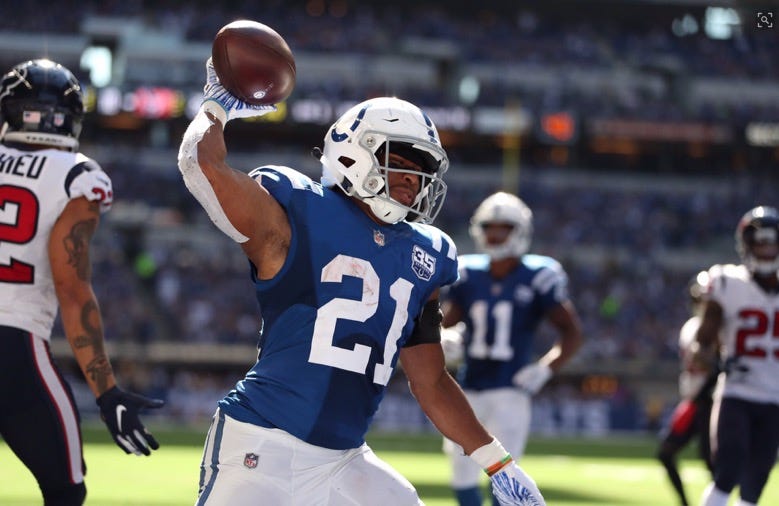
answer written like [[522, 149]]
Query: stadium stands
[[645, 189]]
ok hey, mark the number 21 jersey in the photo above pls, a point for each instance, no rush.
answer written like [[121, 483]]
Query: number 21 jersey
[[337, 314]]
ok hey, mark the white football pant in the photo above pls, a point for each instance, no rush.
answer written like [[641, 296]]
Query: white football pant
[[247, 465], [505, 413]]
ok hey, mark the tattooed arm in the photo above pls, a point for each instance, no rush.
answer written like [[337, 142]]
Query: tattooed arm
[[72, 273]]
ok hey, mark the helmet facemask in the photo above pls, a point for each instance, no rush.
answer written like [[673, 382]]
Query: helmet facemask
[[356, 158]]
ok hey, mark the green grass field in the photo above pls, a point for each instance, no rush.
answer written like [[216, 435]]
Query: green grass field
[[570, 472]]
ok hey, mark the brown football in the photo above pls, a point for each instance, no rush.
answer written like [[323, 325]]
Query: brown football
[[253, 62]]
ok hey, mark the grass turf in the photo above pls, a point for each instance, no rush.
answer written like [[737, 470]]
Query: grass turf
[[569, 471]]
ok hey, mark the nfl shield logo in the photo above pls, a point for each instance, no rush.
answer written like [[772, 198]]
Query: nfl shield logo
[[250, 460], [378, 238]]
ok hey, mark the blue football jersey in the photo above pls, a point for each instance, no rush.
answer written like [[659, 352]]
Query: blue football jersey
[[336, 315], [501, 316]]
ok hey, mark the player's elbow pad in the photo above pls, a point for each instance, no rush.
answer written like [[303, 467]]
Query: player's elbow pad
[[197, 183]]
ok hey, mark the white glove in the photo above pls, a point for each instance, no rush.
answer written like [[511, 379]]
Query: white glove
[[223, 104], [532, 377], [510, 484], [452, 344]]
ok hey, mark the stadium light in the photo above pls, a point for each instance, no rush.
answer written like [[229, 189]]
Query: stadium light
[[99, 61], [721, 22]]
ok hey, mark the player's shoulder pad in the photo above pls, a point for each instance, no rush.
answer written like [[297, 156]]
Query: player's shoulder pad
[[475, 261], [719, 274], [720, 271], [87, 179], [548, 272], [539, 262], [279, 176], [472, 262], [437, 239]]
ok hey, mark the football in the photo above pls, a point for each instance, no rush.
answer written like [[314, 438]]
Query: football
[[253, 62]]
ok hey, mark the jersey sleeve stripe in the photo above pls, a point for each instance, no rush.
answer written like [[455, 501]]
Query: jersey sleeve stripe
[[545, 280], [451, 252], [437, 241], [74, 172]]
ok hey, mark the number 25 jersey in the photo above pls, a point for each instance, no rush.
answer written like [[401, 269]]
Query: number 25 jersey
[[35, 186], [336, 314], [749, 334]]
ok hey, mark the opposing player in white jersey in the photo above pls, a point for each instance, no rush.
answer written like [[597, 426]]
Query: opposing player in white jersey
[[51, 198], [690, 418], [742, 318], [502, 296], [347, 274]]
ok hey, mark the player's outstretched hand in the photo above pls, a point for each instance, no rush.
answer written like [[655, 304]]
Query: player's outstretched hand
[[513, 487], [510, 485], [223, 104], [532, 377], [119, 410]]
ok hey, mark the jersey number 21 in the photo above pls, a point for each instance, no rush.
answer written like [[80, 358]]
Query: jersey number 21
[[356, 360]]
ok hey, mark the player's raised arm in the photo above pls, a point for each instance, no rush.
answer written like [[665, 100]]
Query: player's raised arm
[[238, 205]]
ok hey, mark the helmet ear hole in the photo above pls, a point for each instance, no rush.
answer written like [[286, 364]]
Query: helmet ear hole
[[346, 161]]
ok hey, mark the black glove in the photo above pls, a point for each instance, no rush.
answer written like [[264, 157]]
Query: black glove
[[119, 411]]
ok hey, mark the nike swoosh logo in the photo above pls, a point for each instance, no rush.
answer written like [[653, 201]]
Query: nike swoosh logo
[[119, 410]]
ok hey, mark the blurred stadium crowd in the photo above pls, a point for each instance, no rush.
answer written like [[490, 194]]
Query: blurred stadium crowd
[[629, 240]]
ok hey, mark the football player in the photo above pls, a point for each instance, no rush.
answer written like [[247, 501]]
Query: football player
[[697, 378], [741, 318], [347, 273], [502, 295], [51, 198]]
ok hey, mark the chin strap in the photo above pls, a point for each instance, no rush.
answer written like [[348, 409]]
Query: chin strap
[[42, 139]]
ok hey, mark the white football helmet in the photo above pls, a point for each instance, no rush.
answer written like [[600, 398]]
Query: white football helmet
[[356, 155], [503, 208]]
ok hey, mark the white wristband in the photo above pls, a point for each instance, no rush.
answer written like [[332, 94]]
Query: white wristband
[[490, 454], [215, 108]]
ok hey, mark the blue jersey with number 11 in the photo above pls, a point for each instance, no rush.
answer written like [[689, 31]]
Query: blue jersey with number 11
[[336, 314], [502, 315]]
